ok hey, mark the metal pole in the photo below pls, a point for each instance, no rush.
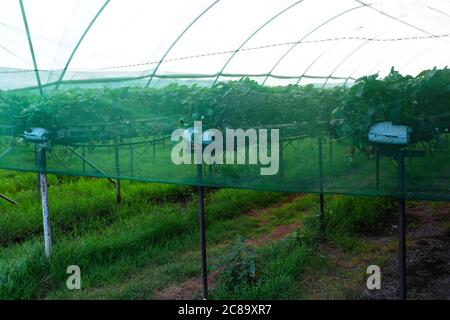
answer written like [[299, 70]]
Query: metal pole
[[132, 156], [44, 198], [377, 166], [38, 178], [84, 156], [331, 150], [201, 219], [321, 211], [2, 196], [38, 184], [402, 228], [402, 249], [281, 159], [30, 45], [90, 164], [116, 154]]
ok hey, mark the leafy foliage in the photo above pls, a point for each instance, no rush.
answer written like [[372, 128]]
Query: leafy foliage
[[239, 264], [421, 102]]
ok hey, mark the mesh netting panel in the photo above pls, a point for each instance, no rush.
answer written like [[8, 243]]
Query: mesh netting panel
[[323, 139], [355, 94]]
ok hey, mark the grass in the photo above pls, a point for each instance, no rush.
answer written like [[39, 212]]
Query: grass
[[150, 241], [108, 241], [285, 267]]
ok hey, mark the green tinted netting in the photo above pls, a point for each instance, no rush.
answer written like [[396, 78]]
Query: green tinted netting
[[358, 91]]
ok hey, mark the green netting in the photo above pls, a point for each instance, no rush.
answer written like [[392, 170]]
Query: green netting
[[109, 82], [126, 133]]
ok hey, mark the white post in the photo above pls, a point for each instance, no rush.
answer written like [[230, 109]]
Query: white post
[[44, 199]]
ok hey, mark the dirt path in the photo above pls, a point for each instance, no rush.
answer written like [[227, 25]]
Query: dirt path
[[192, 288], [428, 259], [428, 255]]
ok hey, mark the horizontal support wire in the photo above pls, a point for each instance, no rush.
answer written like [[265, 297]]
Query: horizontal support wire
[[182, 76], [344, 38]]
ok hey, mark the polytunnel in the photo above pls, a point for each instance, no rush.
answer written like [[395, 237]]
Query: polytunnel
[[341, 97], [83, 69], [271, 42]]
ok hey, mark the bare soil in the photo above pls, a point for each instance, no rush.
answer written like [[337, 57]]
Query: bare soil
[[428, 255]]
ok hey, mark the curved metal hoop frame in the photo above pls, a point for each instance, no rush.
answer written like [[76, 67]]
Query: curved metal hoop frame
[[313, 63], [63, 73], [303, 37], [251, 36], [177, 39], [30, 45], [349, 56]]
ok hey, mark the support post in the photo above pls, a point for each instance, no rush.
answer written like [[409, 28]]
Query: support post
[[377, 170], [116, 155], [322, 207], [90, 164], [38, 185], [402, 250], [30, 44], [402, 227], [8, 199], [44, 198], [38, 175], [83, 153], [331, 150], [201, 219], [281, 159], [131, 157]]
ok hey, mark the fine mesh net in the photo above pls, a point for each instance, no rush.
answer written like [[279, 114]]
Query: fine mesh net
[[351, 97]]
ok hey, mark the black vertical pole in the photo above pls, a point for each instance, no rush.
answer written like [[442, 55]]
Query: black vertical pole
[[38, 185], [116, 153], [131, 156], [402, 249], [377, 166], [84, 156], [281, 158], [322, 211], [402, 228], [201, 219], [331, 150], [38, 176]]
